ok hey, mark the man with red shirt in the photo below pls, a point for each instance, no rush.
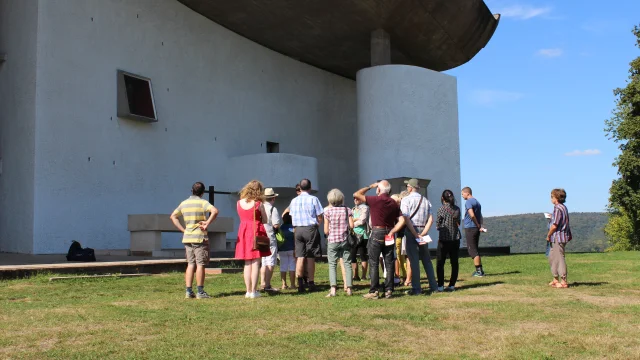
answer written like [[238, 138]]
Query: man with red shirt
[[386, 220]]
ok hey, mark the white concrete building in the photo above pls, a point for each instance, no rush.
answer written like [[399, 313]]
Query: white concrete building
[[71, 169]]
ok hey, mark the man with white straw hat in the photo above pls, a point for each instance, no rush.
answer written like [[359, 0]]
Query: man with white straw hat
[[271, 223]]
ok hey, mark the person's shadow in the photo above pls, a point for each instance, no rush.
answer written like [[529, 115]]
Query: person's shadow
[[478, 285], [231, 293], [576, 284], [504, 273]]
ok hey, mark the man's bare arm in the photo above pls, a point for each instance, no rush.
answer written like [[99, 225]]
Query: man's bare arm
[[409, 226], [176, 222], [472, 215], [399, 226], [360, 194], [427, 227]]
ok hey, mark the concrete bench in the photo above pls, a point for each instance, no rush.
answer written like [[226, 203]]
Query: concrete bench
[[146, 233]]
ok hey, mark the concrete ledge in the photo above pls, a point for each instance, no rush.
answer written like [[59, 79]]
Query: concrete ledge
[[124, 267], [113, 267], [161, 222], [113, 252], [218, 271]]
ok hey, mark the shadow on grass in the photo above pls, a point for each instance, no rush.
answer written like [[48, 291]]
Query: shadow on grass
[[478, 285], [225, 294], [504, 273], [576, 284]]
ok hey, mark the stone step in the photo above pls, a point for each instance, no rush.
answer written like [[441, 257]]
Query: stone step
[[218, 271]]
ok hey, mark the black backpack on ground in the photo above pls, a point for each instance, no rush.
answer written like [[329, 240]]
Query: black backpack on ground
[[77, 253]]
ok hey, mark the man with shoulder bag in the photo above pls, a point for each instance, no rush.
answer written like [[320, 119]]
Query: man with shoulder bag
[[271, 226], [416, 210]]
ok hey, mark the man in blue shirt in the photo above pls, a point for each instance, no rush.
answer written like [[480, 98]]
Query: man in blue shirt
[[473, 228], [306, 214]]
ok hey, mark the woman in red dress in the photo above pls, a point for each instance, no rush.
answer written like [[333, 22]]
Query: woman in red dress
[[251, 213]]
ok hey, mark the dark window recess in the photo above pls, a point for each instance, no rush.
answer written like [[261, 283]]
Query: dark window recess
[[139, 97], [273, 147], [135, 97]]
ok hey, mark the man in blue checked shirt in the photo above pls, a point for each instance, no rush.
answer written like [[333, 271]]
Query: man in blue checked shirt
[[416, 210], [306, 215]]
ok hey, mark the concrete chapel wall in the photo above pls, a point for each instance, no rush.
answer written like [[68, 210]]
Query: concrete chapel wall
[[218, 96], [18, 40], [408, 127]]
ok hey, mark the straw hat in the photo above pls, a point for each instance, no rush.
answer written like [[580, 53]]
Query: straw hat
[[269, 193]]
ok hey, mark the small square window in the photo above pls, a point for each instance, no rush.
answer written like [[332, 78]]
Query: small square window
[[273, 147]]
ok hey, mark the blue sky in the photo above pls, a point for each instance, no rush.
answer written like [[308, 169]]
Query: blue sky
[[533, 102]]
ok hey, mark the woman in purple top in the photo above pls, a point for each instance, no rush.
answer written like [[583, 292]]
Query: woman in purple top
[[558, 237]]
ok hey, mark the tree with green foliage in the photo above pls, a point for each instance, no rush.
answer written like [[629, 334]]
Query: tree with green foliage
[[624, 195]]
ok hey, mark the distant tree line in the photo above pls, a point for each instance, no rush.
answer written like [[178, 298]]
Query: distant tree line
[[526, 233]]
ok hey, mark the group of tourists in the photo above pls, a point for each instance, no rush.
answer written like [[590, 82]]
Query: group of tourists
[[383, 230]]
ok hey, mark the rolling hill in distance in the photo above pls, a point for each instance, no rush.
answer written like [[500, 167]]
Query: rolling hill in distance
[[526, 233]]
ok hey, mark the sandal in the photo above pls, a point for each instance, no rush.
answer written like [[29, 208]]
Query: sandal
[[562, 285], [330, 295], [553, 283], [349, 293]]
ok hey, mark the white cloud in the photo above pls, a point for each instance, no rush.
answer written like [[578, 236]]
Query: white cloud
[[523, 12], [493, 97], [588, 152], [550, 52]]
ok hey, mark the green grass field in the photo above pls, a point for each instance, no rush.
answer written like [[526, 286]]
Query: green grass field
[[509, 314]]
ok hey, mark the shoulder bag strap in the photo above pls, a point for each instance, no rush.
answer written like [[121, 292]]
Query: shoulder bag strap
[[255, 232], [418, 208], [346, 216], [271, 216]]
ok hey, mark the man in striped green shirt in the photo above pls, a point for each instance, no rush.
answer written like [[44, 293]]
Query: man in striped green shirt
[[195, 239]]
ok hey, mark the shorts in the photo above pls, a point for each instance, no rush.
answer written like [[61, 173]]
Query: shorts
[[197, 253], [473, 239], [307, 242], [360, 250], [271, 259], [287, 261]]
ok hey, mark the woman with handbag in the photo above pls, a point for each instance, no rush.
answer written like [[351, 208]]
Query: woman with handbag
[[338, 225], [253, 242]]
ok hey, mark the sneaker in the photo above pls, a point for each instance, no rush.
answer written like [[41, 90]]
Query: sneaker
[[372, 296], [388, 294], [202, 295], [357, 278], [450, 288], [247, 295], [189, 295], [412, 292], [256, 295], [440, 288], [396, 280], [477, 274], [300, 289], [312, 287]]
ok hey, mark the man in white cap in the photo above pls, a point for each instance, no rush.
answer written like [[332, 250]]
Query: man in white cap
[[271, 225], [416, 210]]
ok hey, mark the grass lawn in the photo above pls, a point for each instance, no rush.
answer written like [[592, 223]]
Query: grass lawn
[[509, 314]]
